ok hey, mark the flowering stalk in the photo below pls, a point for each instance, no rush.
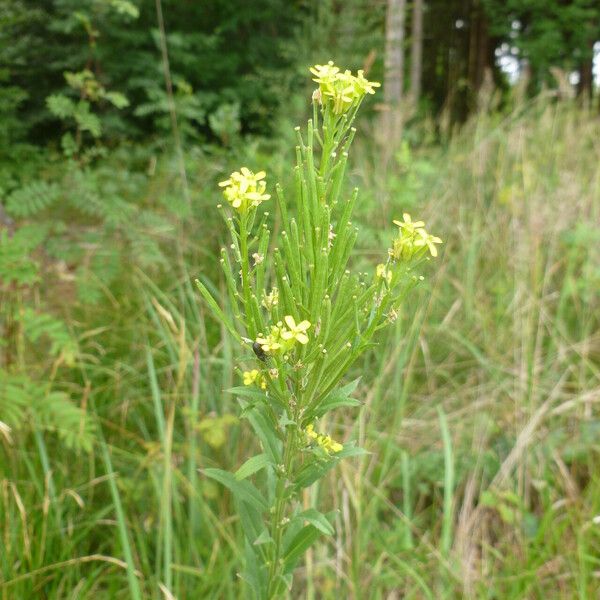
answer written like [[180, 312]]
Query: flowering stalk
[[304, 319]]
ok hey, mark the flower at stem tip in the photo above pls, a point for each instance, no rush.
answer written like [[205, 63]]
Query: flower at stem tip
[[412, 239], [428, 240], [245, 189], [408, 225], [341, 90]]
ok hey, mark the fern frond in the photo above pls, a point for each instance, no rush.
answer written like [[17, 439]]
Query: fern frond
[[16, 263], [37, 325], [32, 198], [25, 403]]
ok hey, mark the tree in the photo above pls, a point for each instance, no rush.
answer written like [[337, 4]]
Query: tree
[[393, 82], [416, 52]]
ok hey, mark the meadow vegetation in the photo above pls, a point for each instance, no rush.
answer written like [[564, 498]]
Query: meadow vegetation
[[125, 343], [477, 405]]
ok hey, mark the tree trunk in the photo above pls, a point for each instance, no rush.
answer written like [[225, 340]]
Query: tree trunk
[[394, 51], [479, 55], [586, 75], [393, 82], [416, 52]]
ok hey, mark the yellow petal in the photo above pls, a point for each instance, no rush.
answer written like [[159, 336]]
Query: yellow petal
[[290, 321], [336, 447], [303, 326], [302, 338]]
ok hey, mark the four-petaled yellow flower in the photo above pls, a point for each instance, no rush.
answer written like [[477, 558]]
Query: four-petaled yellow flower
[[324, 441], [408, 224], [296, 332], [245, 189], [425, 239]]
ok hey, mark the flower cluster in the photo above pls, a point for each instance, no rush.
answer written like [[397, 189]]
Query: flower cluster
[[324, 441], [413, 240], [255, 377], [282, 338], [245, 189], [342, 90]]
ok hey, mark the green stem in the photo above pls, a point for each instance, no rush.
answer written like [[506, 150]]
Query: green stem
[[246, 274], [277, 524]]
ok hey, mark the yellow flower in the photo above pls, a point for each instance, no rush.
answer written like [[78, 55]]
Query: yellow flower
[[324, 441], [324, 73], [254, 377], [425, 239], [310, 432], [273, 341], [343, 90], [408, 225], [283, 339], [269, 343], [365, 86], [296, 332], [250, 376], [413, 240], [245, 189]]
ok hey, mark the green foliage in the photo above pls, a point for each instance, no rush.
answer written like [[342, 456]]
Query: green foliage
[[121, 461], [90, 92], [547, 33], [32, 198], [39, 325], [315, 319], [507, 341], [17, 264], [26, 404]]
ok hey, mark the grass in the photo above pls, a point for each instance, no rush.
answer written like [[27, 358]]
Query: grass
[[480, 415]]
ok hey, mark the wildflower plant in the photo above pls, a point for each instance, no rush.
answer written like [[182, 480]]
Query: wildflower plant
[[304, 319]]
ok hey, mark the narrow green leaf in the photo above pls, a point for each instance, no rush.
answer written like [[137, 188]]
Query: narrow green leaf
[[316, 519], [242, 490], [252, 465], [216, 309], [266, 431], [305, 538]]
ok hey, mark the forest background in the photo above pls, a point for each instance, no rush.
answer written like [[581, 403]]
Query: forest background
[[117, 120]]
